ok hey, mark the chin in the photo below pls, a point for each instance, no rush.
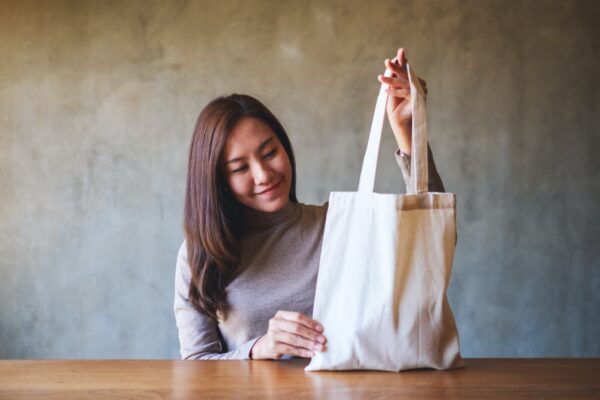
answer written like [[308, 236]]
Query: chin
[[268, 205], [272, 206]]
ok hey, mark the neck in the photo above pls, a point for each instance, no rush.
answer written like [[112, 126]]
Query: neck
[[261, 219]]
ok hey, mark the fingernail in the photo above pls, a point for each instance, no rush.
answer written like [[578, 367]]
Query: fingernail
[[319, 328], [321, 339]]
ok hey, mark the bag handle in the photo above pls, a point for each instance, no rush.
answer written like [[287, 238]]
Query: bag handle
[[418, 182]]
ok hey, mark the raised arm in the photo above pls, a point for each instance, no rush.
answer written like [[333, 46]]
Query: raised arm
[[435, 181], [399, 114]]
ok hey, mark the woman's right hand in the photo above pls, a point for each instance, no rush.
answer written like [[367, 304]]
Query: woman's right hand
[[289, 333]]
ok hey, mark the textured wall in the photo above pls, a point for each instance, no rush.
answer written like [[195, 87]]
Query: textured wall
[[97, 105]]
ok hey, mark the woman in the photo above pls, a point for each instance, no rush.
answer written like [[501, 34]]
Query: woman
[[246, 274]]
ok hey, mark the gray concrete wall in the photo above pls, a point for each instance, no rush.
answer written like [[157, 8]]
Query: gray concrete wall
[[97, 104]]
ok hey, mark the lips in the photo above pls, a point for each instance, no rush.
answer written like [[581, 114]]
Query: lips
[[271, 188]]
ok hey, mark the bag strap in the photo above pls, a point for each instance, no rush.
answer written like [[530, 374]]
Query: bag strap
[[418, 182]]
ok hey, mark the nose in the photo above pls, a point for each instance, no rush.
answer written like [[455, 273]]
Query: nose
[[262, 174]]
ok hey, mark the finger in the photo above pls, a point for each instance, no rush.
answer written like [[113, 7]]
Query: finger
[[297, 341], [278, 348], [392, 66], [401, 57], [394, 82], [300, 318], [297, 329], [402, 93], [282, 348], [395, 68]]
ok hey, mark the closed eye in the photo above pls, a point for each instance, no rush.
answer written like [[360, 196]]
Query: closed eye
[[271, 153], [267, 156], [240, 169]]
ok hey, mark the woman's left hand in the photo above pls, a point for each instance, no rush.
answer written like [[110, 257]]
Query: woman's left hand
[[399, 109]]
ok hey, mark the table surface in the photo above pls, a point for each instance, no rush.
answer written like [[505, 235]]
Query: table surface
[[161, 379]]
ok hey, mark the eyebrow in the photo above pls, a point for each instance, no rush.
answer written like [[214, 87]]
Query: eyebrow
[[263, 144]]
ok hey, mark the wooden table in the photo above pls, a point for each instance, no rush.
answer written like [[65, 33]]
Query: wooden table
[[124, 379]]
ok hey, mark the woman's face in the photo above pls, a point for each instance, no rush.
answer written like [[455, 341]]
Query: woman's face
[[257, 168]]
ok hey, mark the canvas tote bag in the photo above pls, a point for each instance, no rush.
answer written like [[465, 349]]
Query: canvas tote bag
[[385, 266]]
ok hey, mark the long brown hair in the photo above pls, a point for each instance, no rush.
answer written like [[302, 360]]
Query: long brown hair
[[211, 219]]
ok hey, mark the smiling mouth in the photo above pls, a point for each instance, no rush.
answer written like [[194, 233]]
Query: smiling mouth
[[270, 189]]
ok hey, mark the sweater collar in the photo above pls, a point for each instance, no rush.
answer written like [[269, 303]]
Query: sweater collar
[[260, 219]]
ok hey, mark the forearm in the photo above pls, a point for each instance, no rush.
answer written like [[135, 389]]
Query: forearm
[[199, 335], [435, 183], [403, 135], [240, 353]]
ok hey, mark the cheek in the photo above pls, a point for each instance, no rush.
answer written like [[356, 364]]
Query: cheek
[[239, 184], [284, 166]]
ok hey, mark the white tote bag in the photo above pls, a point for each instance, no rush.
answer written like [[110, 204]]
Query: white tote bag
[[385, 265]]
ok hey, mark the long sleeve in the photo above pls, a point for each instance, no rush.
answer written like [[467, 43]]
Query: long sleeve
[[199, 337], [435, 181]]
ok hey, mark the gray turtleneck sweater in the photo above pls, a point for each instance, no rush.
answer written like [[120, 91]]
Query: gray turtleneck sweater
[[279, 261]]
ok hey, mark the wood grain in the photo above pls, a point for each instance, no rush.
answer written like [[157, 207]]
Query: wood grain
[[165, 379]]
